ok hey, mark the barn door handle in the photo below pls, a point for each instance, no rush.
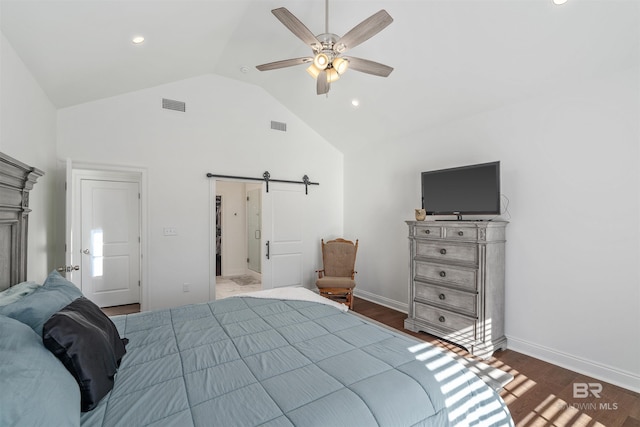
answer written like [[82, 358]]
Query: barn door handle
[[267, 249]]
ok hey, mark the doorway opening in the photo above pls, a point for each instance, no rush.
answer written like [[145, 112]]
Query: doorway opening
[[238, 238], [105, 235]]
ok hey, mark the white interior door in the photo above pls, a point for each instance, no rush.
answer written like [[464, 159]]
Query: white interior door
[[110, 241], [282, 235]]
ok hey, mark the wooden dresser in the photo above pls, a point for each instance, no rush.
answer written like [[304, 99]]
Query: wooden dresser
[[456, 282]]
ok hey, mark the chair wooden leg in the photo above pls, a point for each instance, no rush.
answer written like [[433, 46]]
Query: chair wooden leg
[[345, 295]]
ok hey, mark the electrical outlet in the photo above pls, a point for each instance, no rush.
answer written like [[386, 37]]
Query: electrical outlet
[[185, 287], [170, 231]]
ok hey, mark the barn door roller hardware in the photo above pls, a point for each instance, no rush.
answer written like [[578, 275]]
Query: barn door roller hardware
[[266, 177]]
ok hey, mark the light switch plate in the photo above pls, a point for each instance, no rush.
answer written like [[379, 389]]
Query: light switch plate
[[170, 231]]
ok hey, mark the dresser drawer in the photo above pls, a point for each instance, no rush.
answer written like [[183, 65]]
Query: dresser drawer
[[452, 299], [461, 233], [446, 320], [428, 231], [448, 252], [464, 278]]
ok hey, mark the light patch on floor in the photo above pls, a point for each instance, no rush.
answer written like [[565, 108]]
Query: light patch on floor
[[235, 285]]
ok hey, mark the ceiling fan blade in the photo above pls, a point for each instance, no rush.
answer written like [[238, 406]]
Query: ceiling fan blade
[[283, 64], [296, 27], [322, 84], [364, 30], [369, 67]]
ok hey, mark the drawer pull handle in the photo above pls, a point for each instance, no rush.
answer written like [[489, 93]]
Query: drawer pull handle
[[441, 319], [443, 274], [443, 251], [460, 233], [427, 231], [441, 296]]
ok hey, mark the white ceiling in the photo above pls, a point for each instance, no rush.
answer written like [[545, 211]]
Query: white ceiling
[[452, 58]]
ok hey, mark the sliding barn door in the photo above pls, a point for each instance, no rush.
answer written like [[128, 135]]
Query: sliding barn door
[[283, 209]]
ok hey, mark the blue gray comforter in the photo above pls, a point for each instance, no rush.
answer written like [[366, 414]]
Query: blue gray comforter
[[265, 362]]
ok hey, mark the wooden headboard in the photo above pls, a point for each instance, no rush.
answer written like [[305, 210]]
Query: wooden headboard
[[16, 180]]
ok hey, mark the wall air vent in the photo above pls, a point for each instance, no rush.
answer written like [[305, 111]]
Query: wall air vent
[[170, 104], [278, 126]]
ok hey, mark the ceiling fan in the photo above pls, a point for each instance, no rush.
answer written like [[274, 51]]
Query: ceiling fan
[[327, 63]]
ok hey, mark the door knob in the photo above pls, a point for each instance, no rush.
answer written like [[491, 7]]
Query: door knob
[[86, 251]]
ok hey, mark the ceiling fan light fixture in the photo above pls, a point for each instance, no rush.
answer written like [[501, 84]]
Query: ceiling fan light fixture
[[313, 71], [340, 65], [321, 61], [332, 75]]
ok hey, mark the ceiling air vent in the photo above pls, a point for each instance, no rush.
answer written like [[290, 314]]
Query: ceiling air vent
[[170, 104], [278, 126]]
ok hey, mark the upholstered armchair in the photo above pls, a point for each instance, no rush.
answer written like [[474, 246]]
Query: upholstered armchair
[[336, 280]]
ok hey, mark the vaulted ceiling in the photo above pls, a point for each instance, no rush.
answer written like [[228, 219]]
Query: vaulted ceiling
[[452, 58]]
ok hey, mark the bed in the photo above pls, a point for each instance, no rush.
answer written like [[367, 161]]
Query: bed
[[286, 357]]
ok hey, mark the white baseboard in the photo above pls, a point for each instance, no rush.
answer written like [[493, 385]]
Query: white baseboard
[[593, 369], [403, 307]]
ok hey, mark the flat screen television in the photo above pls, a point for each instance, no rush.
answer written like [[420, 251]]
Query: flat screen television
[[466, 190]]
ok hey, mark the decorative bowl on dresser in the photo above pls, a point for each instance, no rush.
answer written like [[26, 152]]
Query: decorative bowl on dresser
[[456, 282]]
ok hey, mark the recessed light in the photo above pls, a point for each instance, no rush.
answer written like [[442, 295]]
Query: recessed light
[[355, 103], [137, 39], [244, 69], [559, 1]]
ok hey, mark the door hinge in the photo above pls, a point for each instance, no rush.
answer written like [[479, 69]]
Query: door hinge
[[65, 186], [138, 282], [247, 260], [247, 198], [138, 196]]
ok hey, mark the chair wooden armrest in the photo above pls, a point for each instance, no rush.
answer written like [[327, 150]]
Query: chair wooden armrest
[[320, 273]]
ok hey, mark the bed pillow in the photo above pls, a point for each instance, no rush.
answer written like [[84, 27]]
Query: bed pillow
[[35, 308], [88, 344], [16, 292], [36, 388]]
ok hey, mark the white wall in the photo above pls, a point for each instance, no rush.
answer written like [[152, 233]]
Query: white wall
[[226, 130], [570, 164], [28, 134]]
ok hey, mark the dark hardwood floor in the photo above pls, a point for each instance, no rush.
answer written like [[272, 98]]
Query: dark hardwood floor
[[541, 393]]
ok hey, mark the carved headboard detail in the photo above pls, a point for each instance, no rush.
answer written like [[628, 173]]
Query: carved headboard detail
[[16, 180]]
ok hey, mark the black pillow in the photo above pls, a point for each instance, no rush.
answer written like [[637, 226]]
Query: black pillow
[[88, 344]]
